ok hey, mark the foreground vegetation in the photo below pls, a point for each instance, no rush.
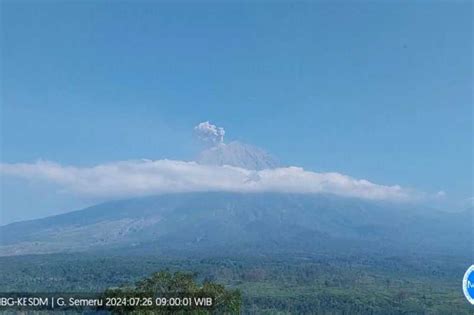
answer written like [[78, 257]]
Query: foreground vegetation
[[288, 284]]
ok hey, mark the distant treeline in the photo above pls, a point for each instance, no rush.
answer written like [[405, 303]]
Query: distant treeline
[[289, 284]]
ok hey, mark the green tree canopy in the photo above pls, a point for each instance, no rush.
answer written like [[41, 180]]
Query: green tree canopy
[[178, 285]]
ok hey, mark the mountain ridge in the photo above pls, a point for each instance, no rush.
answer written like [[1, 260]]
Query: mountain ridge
[[238, 154], [213, 221]]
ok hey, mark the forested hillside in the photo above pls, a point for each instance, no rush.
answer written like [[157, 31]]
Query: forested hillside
[[288, 284]]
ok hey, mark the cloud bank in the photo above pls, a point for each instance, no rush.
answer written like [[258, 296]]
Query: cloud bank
[[147, 177]]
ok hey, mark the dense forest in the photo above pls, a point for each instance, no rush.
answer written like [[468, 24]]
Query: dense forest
[[293, 284]]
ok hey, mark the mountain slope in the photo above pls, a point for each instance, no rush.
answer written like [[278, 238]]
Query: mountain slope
[[237, 154], [213, 222]]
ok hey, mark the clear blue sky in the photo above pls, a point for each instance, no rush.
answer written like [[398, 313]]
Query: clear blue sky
[[376, 90]]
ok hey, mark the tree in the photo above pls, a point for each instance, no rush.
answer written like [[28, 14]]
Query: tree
[[177, 286]]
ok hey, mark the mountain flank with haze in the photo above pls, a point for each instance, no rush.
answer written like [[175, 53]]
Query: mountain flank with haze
[[243, 222]]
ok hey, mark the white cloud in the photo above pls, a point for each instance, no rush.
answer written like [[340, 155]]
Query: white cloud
[[146, 177]]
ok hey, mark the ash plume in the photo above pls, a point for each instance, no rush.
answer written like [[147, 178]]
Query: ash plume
[[209, 134]]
